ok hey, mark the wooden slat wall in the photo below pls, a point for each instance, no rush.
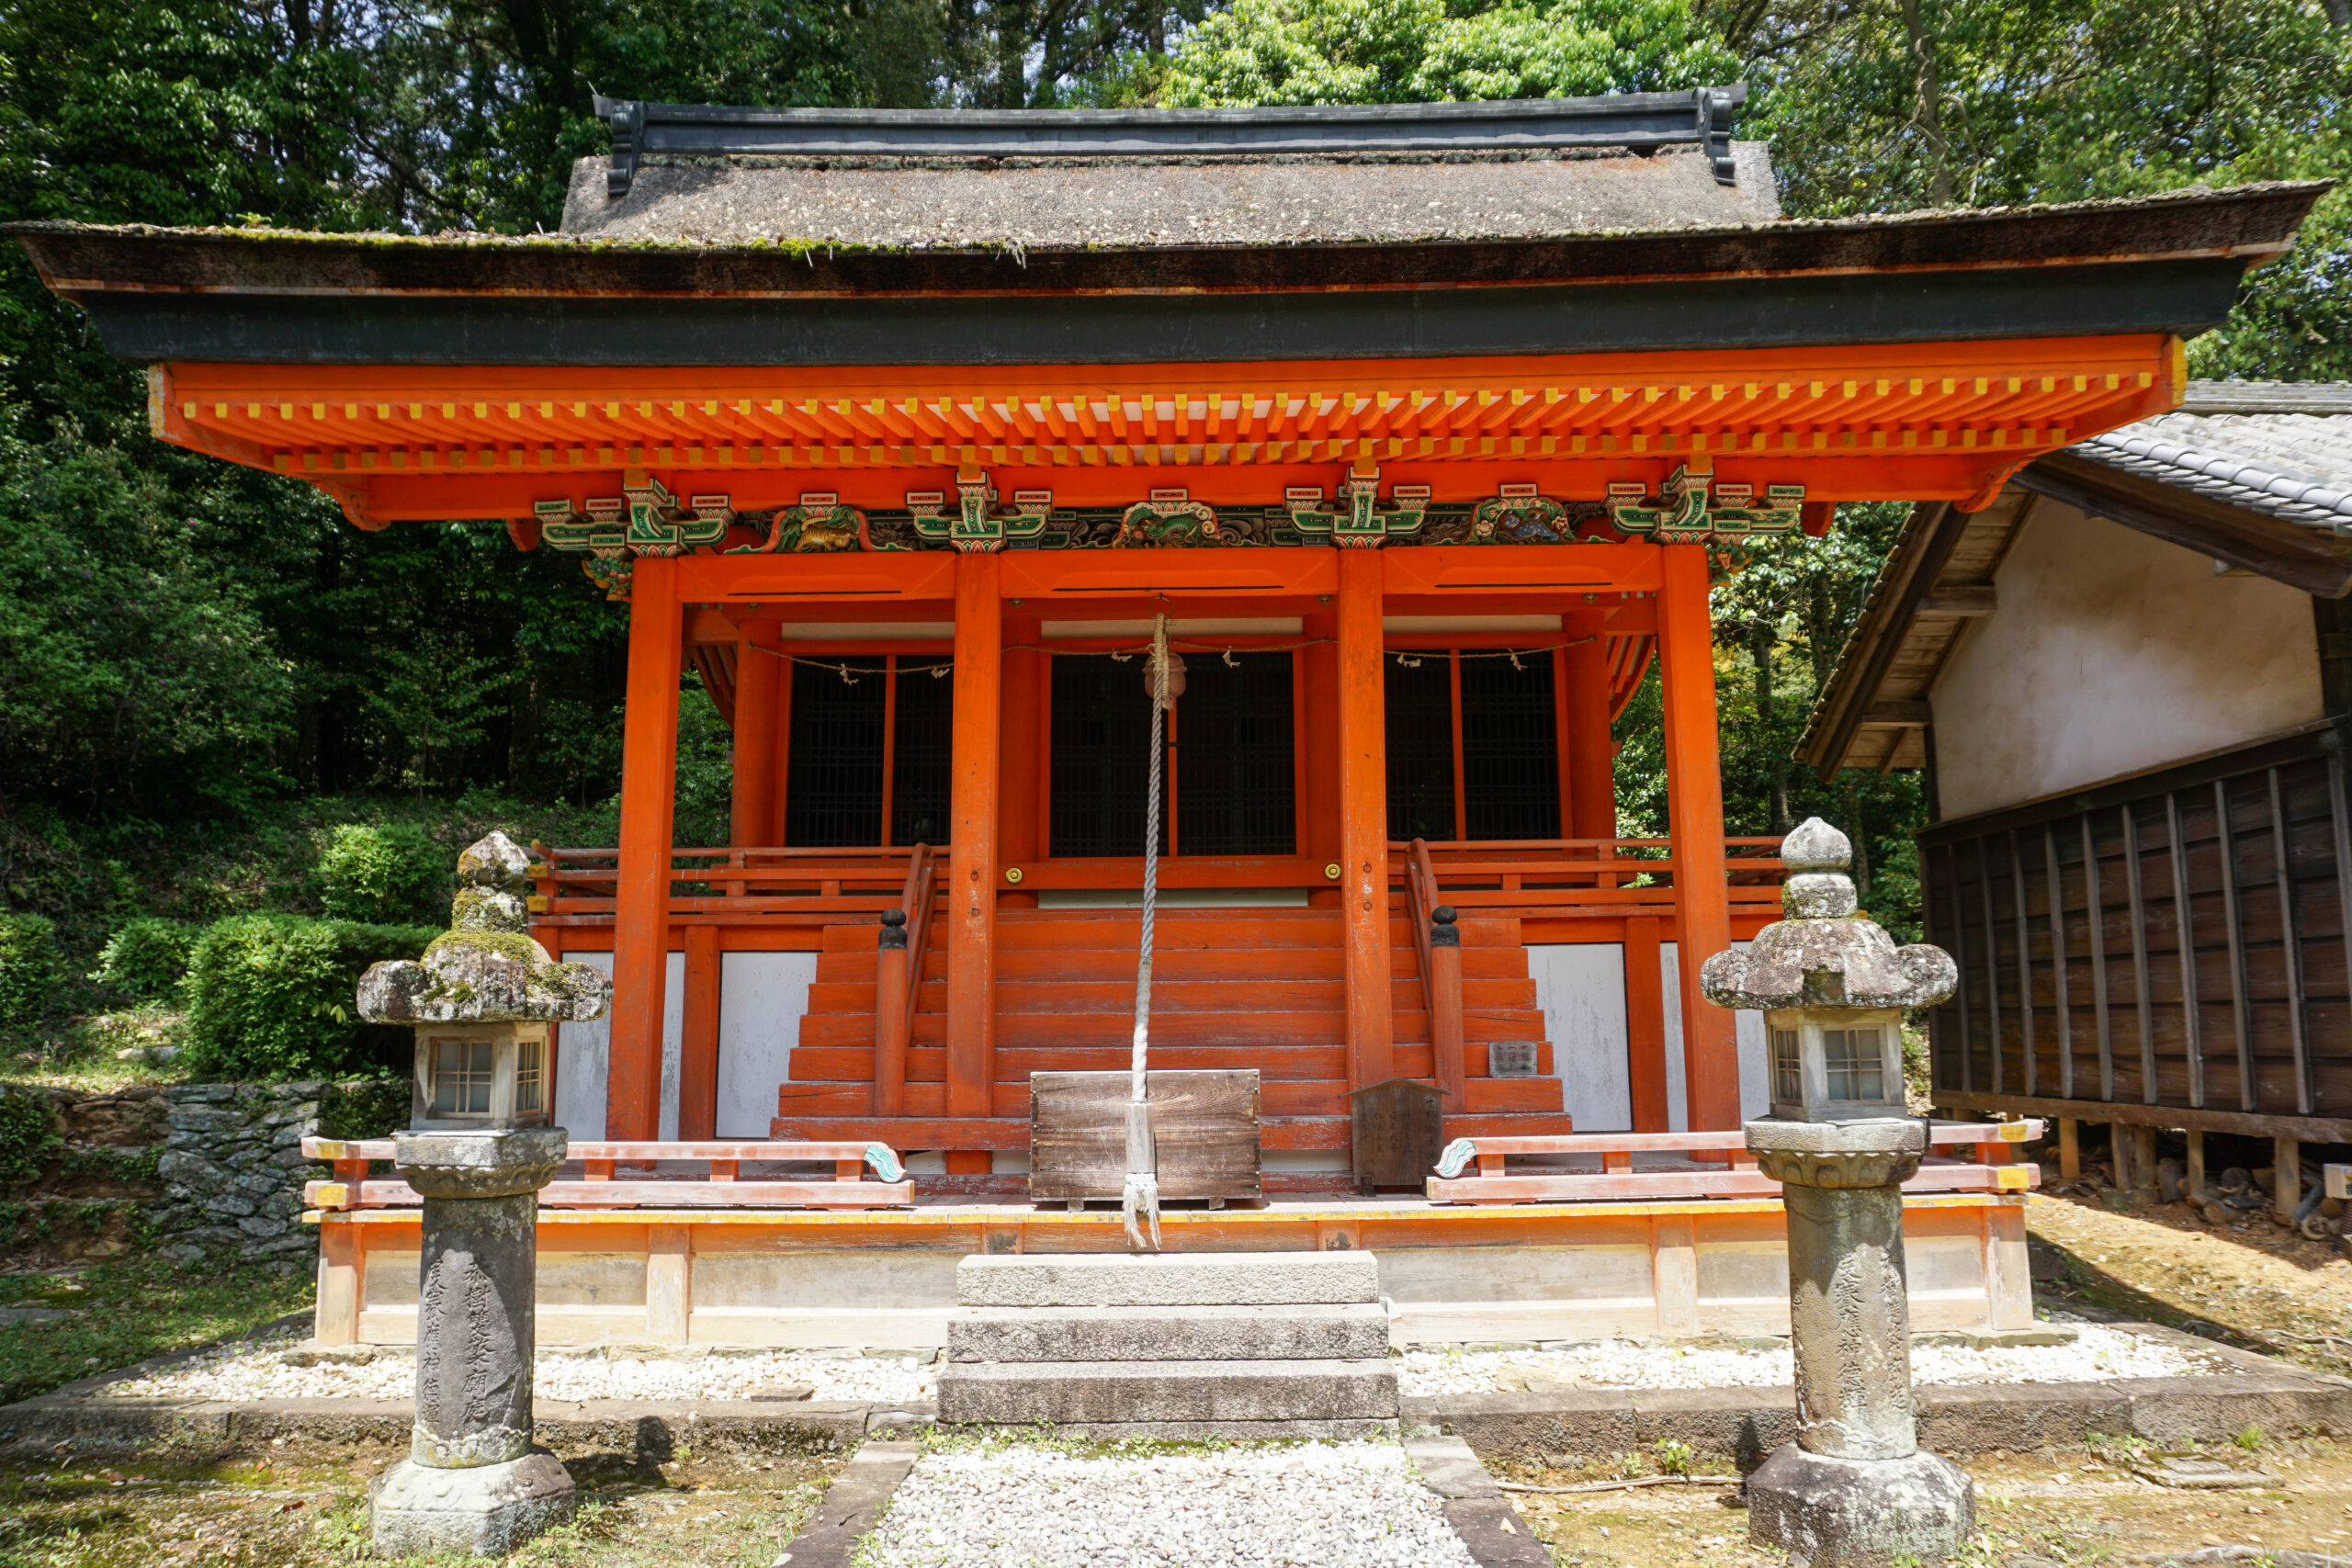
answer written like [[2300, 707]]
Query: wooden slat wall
[[2179, 944]]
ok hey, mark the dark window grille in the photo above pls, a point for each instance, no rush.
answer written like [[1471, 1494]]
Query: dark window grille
[[1420, 748], [921, 751], [833, 793], [1234, 757], [1102, 734], [1511, 770]]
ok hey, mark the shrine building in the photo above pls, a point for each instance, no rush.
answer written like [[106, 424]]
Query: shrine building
[[1427, 427]]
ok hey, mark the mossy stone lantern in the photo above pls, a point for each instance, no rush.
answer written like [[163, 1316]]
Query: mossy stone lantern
[[481, 1001], [478, 1149], [1854, 1488]]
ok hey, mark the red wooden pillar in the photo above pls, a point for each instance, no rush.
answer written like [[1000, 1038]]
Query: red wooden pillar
[[1694, 793], [1317, 788], [1591, 752], [1020, 841], [698, 1042], [649, 797], [1646, 1043], [1363, 822], [972, 865], [758, 675]]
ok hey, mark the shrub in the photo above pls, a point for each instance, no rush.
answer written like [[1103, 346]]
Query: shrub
[[28, 1139], [388, 874], [146, 959], [32, 968], [271, 995], [364, 1107]]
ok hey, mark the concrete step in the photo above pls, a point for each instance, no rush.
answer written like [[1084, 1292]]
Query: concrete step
[[1016, 1393], [1169, 1333], [1195, 1279]]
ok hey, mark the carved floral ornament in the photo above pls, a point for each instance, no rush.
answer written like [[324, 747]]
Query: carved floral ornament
[[1691, 507]]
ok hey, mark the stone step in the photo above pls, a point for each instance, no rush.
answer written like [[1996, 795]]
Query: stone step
[[1169, 1333], [1193, 1279], [1017, 1393]]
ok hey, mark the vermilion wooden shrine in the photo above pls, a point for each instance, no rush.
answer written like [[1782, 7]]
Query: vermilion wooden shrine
[[1427, 428]]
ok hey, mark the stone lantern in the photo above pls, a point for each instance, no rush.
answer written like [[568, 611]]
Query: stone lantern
[[1854, 1486], [477, 1150]]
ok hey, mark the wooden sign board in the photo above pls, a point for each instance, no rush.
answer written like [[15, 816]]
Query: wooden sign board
[[1399, 1132], [1205, 1123]]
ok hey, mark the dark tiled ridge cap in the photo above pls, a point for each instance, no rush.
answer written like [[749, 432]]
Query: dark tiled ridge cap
[[989, 162]]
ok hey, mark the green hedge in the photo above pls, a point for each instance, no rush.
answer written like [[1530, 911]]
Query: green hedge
[[271, 997], [147, 959], [393, 872], [31, 969]]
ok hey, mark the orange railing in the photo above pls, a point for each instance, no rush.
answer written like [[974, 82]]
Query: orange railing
[[1615, 877], [897, 979], [1439, 946], [735, 886]]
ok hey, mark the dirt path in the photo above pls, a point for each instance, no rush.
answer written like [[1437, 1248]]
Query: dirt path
[[2255, 1284]]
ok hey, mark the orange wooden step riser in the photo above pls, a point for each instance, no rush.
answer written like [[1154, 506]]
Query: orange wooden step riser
[[1323, 1132], [1277, 1098], [1412, 1027], [1172, 995], [845, 1063], [1224, 928], [1181, 963]]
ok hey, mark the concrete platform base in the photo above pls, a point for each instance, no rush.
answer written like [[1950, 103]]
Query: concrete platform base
[[1829, 1512], [1021, 1393], [485, 1511], [1169, 1333], [1168, 1280]]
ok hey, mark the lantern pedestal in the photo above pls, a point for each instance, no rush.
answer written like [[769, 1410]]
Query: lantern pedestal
[[1854, 1486], [473, 1483]]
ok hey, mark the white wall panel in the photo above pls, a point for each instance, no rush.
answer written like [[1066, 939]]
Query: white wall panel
[[583, 1056], [761, 997]]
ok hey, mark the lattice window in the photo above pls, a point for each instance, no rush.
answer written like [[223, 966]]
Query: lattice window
[[847, 735], [1788, 1068], [531, 1077], [1102, 726], [1420, 748], [1510, 769], [461, 1075], [1857, 1066], [1234, 756]]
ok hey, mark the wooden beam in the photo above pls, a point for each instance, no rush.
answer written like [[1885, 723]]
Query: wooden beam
[[1362, 810], [2313, 1129], [1959, 600], [973, 868], [2291, 937], [1026, 765], [649, 798], [1318, 786], [1695, 813], [759, 672], [1898, 715]]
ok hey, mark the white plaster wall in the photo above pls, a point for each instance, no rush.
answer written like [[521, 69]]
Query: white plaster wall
[[1581, 990], [2113, 652], [761, 997], [583, 1052]]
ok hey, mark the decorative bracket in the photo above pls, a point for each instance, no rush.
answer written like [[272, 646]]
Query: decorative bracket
[[1357, 521], [980, 526], [1517, 516], [658, 526], [1683, 514]]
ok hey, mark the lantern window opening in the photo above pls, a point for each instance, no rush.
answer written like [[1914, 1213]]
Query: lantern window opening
[[1856, 1063], [463, 1071], [1788, 1068], [530, 1059]]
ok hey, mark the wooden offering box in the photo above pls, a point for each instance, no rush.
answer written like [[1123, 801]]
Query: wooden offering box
[[1399, 1132], [1204, 1125]]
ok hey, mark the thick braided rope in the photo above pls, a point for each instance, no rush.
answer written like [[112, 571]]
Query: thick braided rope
[[1150, 855]]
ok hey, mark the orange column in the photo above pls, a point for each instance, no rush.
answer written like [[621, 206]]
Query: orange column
[[973, 861], [1022, 770], [649, 795], [1694, 794], [1645, 1025], [1317, 784], [1590, 754], [758, 674], [698, 1043], [1363, 825]]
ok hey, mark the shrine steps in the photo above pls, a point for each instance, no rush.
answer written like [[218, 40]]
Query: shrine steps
[[1231, 988]]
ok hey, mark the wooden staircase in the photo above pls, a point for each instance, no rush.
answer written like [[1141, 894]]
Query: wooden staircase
[[1231, 988]]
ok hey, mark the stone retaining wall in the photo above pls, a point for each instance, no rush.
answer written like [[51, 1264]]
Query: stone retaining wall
[[233, 1170]]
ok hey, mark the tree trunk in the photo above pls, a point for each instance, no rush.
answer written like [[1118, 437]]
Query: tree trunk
[[1761, 642], [1927, 104]]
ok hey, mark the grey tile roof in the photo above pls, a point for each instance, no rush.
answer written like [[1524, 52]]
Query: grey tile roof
[[1044, 203], [2281, 448]]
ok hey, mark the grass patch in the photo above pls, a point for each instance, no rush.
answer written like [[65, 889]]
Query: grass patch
[[128, 1310]]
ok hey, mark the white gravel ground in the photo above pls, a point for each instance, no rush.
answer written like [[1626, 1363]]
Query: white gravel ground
[[2097, 1352], [260, 1371], [1015, 1506]]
